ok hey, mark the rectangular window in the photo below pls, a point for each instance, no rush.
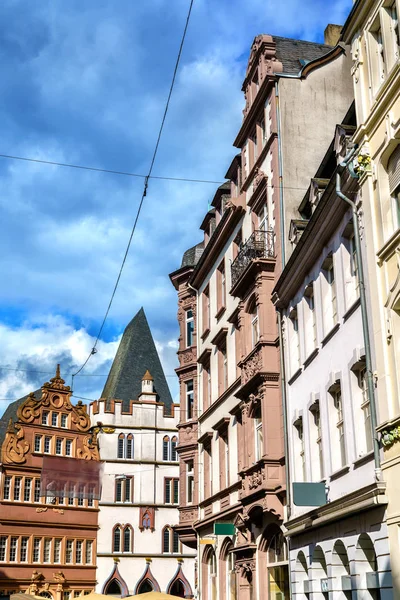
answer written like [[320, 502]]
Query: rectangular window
[[90, 499], [78, 551], [167, 491], [175, 543], [68, 551], [118, 490], [23, 550], [337, 403], [45, 418], [222, 368], [13, 548], [206, 386], [311, 339], [176, 491], [59, 445], [54, 419], [89, 552], [27, 489], [81, 491], [46, 550], [3, 548], [206, 310], [221, 287], [36, 497], [365, 406], [189, 328], [71, 495], [64, 421], [36, 549], [68, 447], [189, 481], [189, 399], [7, 488], [330, 308], [259, 437], [127, 490], [17, 489], [57, 551], [47, 444], [294, 340], [38, 443]]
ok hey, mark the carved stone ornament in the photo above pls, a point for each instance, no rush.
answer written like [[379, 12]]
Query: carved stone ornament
[[59, 577], [80, 416], [58, 510], [188, 356], [251, 367], [253, 52], [256, 478], [15, 447], [57, 382], [90, 449], [41, 509], [246, 568], [186, 516], [36, 576], [259, 176]]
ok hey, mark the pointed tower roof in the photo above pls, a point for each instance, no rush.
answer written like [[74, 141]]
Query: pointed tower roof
[[136, 354]]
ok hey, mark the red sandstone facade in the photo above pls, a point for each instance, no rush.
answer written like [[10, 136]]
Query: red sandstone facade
[[47, 543]]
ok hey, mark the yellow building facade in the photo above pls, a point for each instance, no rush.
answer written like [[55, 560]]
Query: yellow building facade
[[372, 31]]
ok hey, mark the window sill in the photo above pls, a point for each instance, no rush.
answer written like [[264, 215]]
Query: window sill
[[220, 312], [311, 357], [295, 376], [330, 335], [351, 310], [339, 473], [363, 459], [205, 333]]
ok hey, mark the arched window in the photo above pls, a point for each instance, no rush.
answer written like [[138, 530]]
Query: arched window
[[178, 589], [174, 443], [117, 539], [277, 562], [208, 574], [227, 575], [145, 587], [166, 540], [128, 535], [129, 446], [166, 448], [113, 589], [121, 443]]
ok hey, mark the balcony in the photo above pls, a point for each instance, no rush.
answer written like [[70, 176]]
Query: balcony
[[260, 245]]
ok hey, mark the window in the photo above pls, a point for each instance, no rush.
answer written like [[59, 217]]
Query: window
[[302, 455], [7, 488], [174, 443], [294, 341], [45, 418], [27, 489], [23, 550], [71, 494], [166, 448], [57, 551], [90, 499], [330, 308], [339, 456], [262, 216], [127, 497], [171, 490], [255, 333], [317, 458], [118, 490], [206, 385], [64, 421], [36, 549], [89, 552], [47, 442], [311, 338], [189, 481], [46, 550], [81, 493], [54, 419], [121, 439], [78, 551], [3, 548], [223, 367], [253, 139], [117, 539], [206, 310], [261, 125], [394, 184], [166, 540], [395, 29], [59, 445], [17, 489], [221, 288], [68, 447], [127, 539], [13, 548], [189, 328], [365, 407], [36, 497], [175, 542], [170, 541], [129, 446], [38, 443], [189, 399], [68, 551], [258, 434]]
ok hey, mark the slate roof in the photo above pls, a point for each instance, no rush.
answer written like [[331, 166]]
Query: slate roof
[[136, 354], [289, 52], [192, 256], [11, 413]]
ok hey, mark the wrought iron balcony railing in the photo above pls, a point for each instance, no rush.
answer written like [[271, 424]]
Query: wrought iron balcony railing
[[259, 245]]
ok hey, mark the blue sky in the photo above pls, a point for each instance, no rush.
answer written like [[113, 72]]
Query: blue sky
[[86, 83]]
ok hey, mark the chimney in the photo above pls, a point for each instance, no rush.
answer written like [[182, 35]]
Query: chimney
[[332, 34]]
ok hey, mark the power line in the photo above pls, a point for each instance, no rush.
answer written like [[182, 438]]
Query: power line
[[100, 170], [146, 183]]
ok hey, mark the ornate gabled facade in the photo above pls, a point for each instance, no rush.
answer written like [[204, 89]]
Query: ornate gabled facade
[[138, 549], [232, 457], [47, 536]]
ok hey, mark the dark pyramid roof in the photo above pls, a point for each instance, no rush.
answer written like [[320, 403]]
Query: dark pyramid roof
[[11, 413], [135, 355], [291, 52]]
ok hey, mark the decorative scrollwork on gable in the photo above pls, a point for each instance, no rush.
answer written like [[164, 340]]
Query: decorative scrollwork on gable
[[30, 409], [15, 447], [90, 449], [80, 417]]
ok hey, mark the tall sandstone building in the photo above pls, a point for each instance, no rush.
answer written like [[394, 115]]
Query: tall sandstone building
[[231, 442]]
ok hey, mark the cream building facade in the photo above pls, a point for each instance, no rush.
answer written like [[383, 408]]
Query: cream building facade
[[372, 30], [137, 548]]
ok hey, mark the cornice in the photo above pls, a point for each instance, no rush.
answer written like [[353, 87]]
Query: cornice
[[220, 400], [250, 118], [220, 494], [230, 510]]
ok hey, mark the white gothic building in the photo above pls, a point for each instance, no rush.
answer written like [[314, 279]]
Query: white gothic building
[[137, 548]]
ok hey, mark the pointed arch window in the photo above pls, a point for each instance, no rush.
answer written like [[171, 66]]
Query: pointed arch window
[[128, 539], [174, 443], [129, 446], [117, 539], [170, 541], [166, 448], [166, 539], [121, 443]]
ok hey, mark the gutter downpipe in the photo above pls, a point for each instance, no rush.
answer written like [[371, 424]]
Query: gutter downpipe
[[364, 313]]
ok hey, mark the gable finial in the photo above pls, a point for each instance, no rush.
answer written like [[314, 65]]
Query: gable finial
[[58, 375]]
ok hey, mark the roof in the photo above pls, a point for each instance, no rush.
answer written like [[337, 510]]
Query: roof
[[290, 52], [11, 413], [136, 354], [192, 256]]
